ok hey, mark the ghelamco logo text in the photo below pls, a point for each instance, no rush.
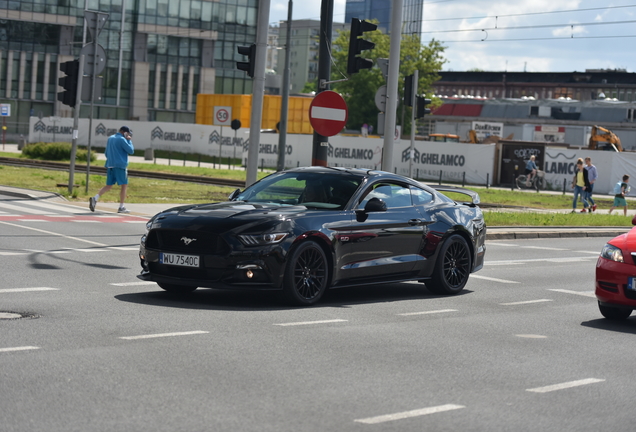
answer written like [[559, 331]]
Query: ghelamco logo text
[[40, 126], [169, 136]]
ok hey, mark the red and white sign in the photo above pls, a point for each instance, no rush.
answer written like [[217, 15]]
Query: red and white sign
[[546, 133], [328, 113], [222, 116]]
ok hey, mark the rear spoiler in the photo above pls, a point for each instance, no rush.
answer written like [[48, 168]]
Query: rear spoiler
[[474, 196]]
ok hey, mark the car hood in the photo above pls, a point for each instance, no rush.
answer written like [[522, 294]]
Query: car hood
[[222, 217], [626, 242]]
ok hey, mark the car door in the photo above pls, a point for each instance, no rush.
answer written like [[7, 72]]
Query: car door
[[381, 243]]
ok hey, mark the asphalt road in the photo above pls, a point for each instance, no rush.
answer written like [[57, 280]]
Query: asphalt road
[[523, 348]]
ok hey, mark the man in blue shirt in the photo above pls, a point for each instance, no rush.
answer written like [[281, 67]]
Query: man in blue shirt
[[592, 175], [118, 147]]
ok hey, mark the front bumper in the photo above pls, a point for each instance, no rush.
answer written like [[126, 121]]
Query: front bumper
[[611, 286], [259, 269]]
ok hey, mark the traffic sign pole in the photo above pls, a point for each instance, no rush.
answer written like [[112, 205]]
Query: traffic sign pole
[[320, 143]]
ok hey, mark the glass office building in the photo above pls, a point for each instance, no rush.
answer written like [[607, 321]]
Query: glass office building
[[381, 10], [159, 55]]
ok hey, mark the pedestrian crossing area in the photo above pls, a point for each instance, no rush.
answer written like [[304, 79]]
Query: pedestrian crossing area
[[21, 210]]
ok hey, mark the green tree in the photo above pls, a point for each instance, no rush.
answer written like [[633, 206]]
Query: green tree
[[359, 90]]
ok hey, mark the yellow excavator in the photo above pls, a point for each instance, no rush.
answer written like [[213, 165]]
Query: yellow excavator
[[604, 139]]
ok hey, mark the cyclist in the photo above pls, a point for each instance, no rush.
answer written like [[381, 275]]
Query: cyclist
[[531, 170]]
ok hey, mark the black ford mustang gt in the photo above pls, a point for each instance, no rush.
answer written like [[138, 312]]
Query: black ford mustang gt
[[309, 229]]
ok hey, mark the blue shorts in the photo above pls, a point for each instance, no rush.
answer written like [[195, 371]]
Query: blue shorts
[[116, 176]]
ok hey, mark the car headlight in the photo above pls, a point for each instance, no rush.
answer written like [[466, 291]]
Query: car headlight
[[612, 253], [261, 239], [148, 226]]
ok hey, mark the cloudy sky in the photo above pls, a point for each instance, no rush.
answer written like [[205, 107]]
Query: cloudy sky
[[517, 35]]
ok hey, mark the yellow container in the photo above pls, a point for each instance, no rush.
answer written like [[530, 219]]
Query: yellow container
[[297, 117]]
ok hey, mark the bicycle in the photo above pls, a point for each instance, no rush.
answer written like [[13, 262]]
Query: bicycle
[[537, 182]]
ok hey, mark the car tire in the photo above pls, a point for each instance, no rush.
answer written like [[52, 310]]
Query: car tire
[[452, 267], [614, 313], [306, 275], [176, 289]]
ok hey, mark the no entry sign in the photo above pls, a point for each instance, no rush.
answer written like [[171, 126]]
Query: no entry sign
[[328, 113]]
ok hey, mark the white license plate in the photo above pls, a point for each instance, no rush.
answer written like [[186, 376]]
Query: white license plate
[[179, 260], [631, 283]]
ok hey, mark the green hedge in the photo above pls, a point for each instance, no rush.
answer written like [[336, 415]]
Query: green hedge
[[54, 152]]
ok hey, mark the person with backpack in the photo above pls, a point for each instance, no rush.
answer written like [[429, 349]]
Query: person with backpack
[[620, 190]]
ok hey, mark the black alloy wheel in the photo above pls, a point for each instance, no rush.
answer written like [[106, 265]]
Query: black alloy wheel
[[306, 275], [452, 267], [176, 289]]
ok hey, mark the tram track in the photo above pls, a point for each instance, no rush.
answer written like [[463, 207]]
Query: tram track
[[99, 170]]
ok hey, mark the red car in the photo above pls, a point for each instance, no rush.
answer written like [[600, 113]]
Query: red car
[[616, 276]]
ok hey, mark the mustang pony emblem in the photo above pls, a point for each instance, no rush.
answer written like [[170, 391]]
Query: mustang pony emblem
[[187, 241]]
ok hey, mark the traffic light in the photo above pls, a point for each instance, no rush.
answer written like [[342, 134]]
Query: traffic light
[[421, 107], [357, 45], [408, 90], [248, 66], [69, 83]]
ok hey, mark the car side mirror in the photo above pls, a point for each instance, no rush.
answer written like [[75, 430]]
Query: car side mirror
[[375, 205], [634, 220], [234, 194]]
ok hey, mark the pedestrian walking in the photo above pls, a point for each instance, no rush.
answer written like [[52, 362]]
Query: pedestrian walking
[[592, 175], [118, 147], [620, 191], [580, 183]]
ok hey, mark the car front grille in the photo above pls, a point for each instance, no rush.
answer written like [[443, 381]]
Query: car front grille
[[212, 275], [190, 242]]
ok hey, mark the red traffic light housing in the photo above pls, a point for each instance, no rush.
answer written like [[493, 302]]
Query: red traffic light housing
[[357, 45], [248, 66]]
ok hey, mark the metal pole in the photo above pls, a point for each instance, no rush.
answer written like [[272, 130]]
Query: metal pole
[[392, 84], [78, 103], [258, 92], [284, 106], [320, 143], [413, 106], [90, 120], [121, 47]]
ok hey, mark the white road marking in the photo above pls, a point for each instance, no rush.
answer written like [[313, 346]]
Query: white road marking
[[428, 312], [160, 335], [549, 260], [409, 414], [311, 322], [135, 221], [11, 290], [32, 220], [502, 244], [60, 208], [53, 233], [22, 348], [120, 248], [581, 293], [22, 210], [86, 221], [531, 336], [494, 279], [543, 248], [591, 252], [525, 302], [12, 253], [133, 283], [565, 385]]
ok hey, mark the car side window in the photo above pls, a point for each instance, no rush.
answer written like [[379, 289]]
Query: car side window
[[394, 195], [420, 196]]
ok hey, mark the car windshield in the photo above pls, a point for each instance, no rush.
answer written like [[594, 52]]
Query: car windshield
[[312, 190]]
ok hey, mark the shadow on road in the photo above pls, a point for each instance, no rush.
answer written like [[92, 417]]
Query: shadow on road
[[626, 326], [211, 299]]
